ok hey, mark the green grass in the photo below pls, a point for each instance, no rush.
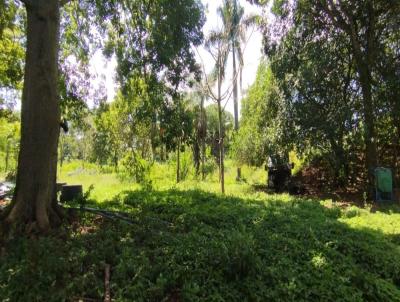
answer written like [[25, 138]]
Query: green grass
[[163, 177], [190, 243]]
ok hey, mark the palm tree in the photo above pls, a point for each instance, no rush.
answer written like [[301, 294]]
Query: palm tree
[[218, 49], [235, 25], [219, 43]]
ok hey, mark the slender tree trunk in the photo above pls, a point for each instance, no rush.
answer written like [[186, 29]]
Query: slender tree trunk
[[7, 154], [61, 152], [33, 201], [162, 153], [115, 160], [196, 156], [178, 162], [153, 134], [221, 130], [235, 99], [396, 153], [369, 127], [203, 139], [221, 147]]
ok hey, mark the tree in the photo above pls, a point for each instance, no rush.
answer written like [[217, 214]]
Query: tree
[[107, 141], [176, 120], [34, 204], [212, 130], [364, 26], [306, 40], [40, 116], [266, 124], [362, 22], [218, 50], [155, 48], [235, 25], [319, 95]]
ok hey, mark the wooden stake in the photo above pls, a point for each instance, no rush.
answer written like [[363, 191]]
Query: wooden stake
[[107, 295]]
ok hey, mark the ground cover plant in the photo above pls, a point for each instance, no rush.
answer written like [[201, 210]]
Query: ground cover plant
[[193, 245]]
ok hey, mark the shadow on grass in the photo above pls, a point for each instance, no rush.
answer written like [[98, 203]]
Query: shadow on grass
[[198, 246]]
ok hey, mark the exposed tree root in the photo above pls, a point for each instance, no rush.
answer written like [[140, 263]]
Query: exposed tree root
[[22, 220]]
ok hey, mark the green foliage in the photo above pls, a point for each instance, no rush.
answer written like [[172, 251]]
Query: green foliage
[[264, 126], [331, 66], [155, 36], [196, 246], [107, 140], [136, 168], [11, 58], [11, 55], [9, 142], [213, 129]]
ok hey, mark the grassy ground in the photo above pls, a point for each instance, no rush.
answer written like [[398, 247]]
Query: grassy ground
[[107, 185], [189, 243]]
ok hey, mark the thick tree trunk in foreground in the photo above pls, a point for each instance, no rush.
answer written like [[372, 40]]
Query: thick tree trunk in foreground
[[33, 204]]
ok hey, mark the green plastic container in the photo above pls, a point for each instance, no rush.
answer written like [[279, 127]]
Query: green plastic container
[[383, 184], [384, 180]]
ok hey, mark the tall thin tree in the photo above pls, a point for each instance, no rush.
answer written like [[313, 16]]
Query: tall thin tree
[[235, 26]]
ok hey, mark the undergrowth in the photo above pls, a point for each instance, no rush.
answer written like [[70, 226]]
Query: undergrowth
[[198, 246]]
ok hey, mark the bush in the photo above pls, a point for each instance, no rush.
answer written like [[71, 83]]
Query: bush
[[137, 168]]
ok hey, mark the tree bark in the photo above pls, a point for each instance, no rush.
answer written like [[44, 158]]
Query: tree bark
[[178, 162], [221, 131], [61, 152], [221, 148], [33, 201], [369, 131], [235, 100], [203, 139]]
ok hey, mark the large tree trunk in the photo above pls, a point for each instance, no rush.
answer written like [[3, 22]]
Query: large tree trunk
[[33, 202]]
